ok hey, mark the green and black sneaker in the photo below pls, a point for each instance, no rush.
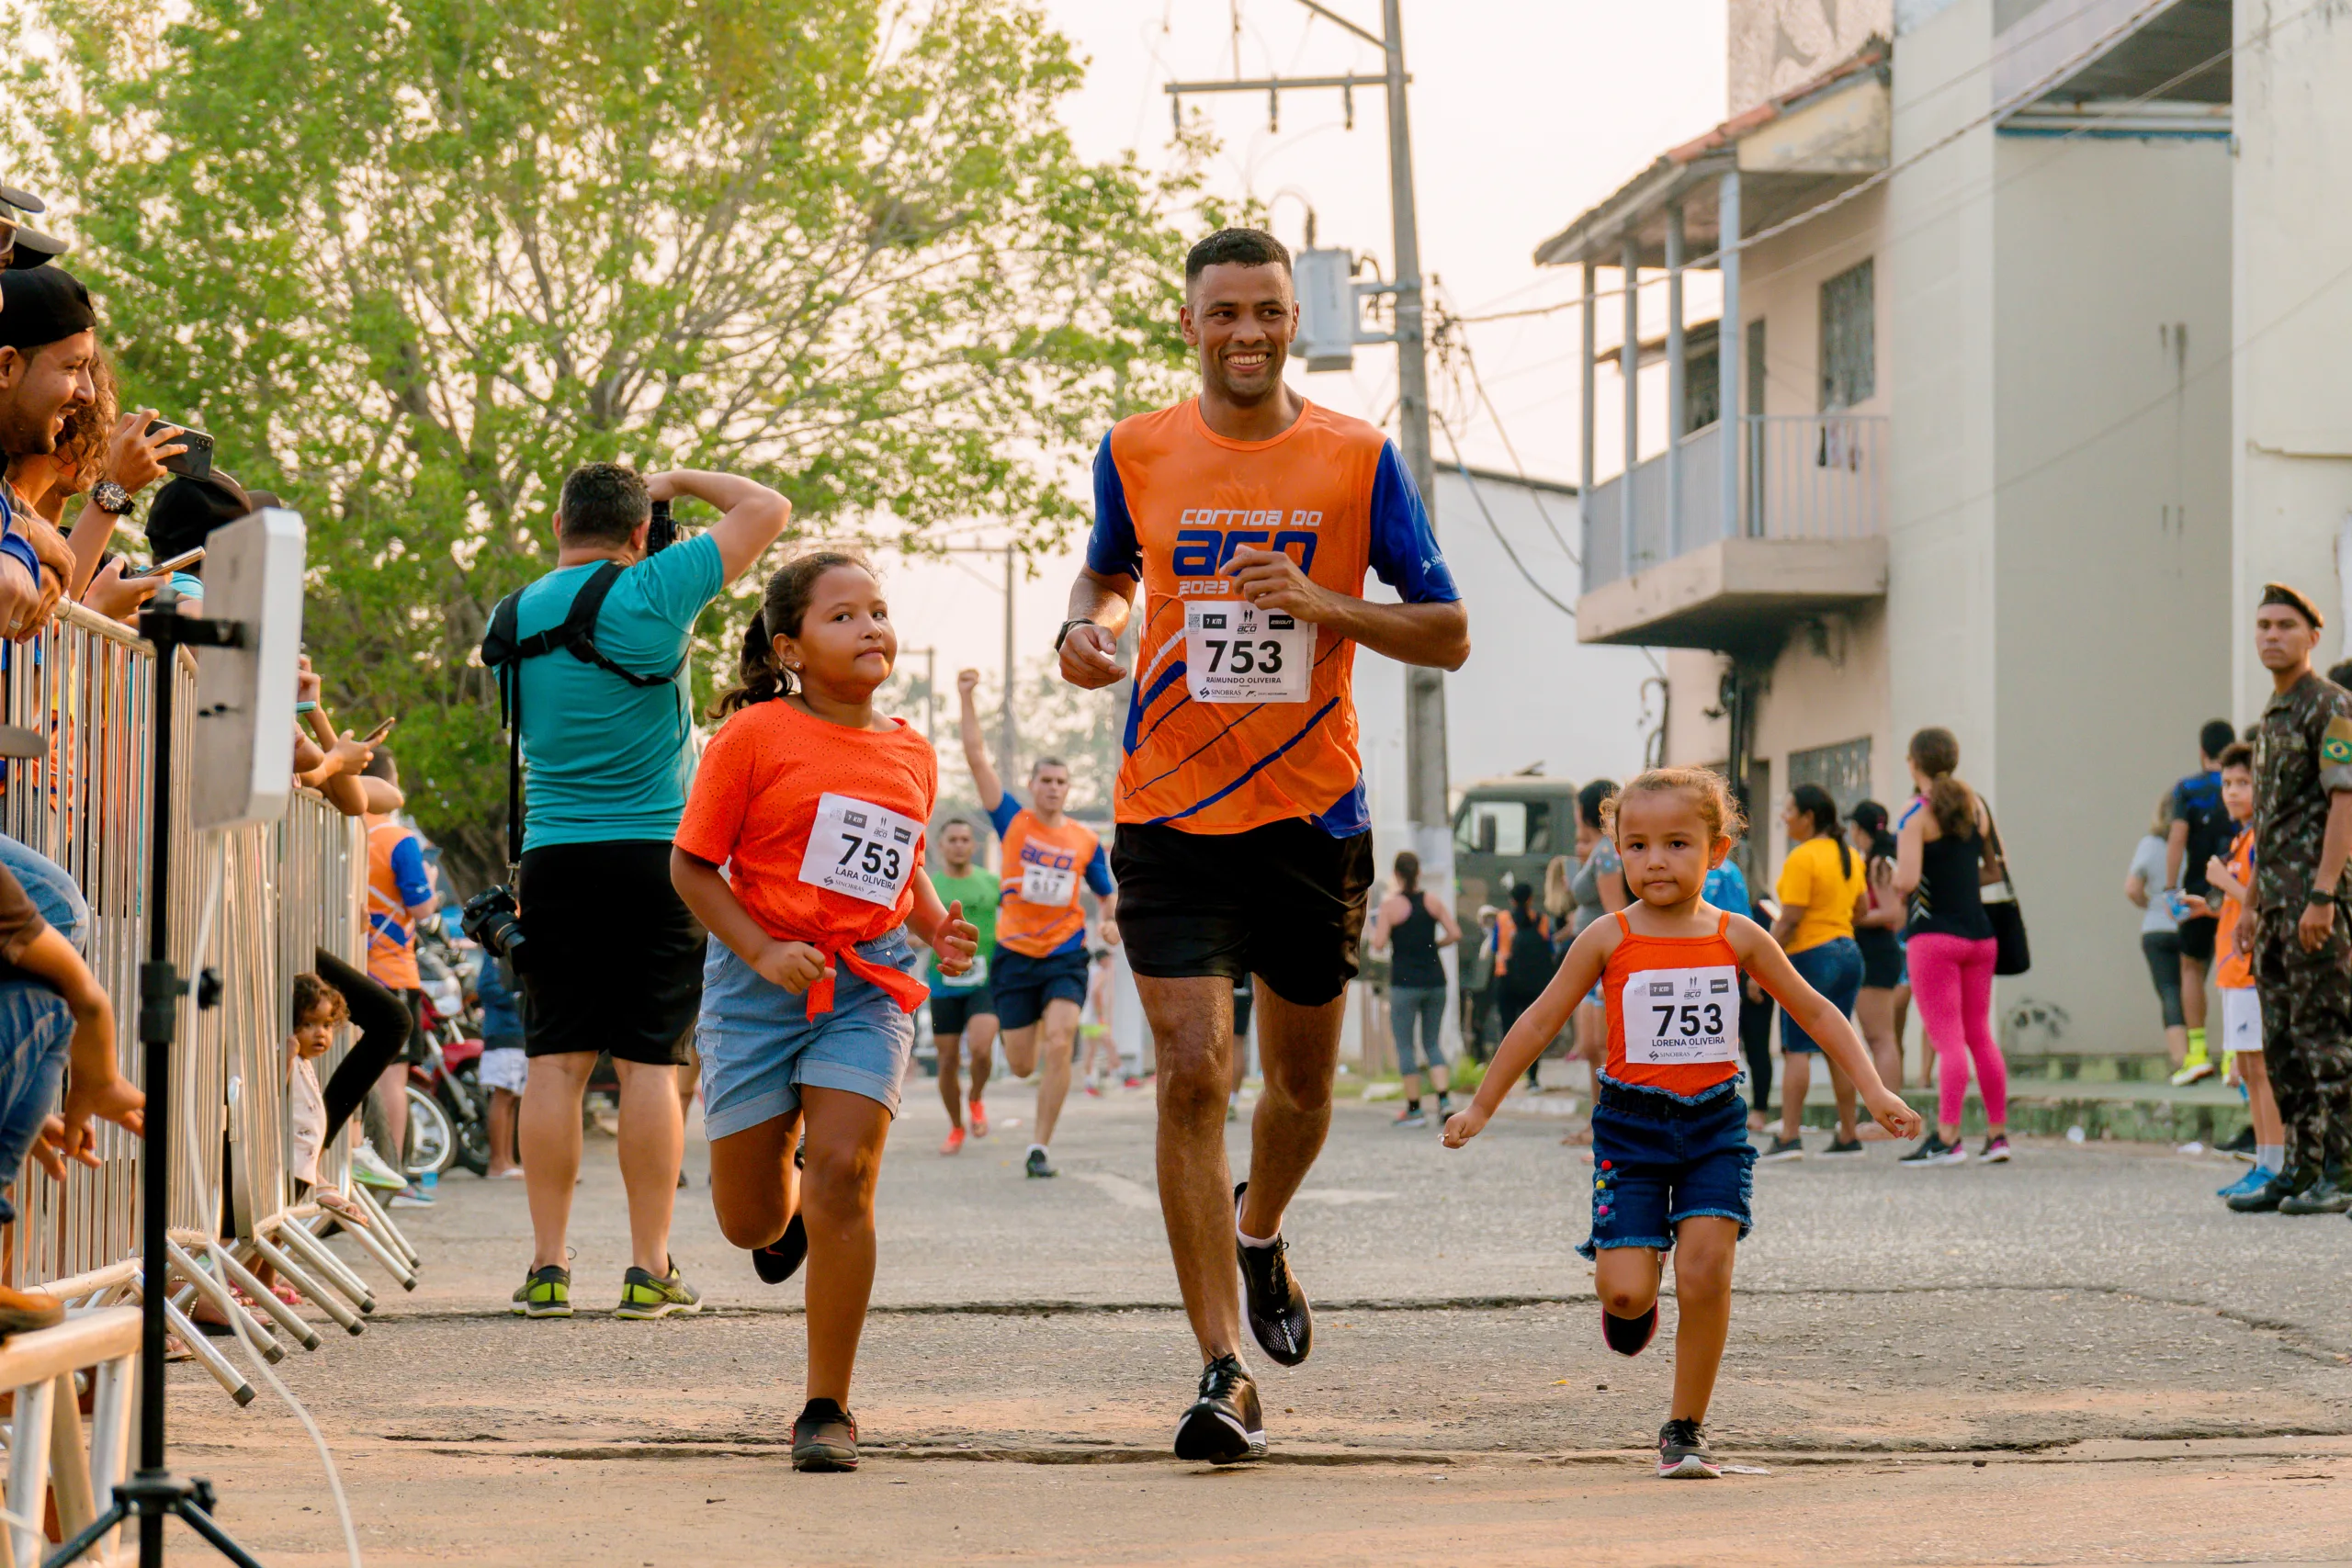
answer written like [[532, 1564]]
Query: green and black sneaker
[[545, 1293], [644, 1297]]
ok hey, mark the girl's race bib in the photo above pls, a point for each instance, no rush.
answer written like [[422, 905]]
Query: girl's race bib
[[1678, 1018], [860, 849]]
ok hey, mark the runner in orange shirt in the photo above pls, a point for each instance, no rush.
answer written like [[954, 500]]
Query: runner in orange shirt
[[815, 804], [1247, 518], [1040, 977]]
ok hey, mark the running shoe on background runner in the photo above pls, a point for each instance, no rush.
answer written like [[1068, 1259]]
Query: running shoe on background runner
[[545, 1293], [644, 1298], [1683, 1452]]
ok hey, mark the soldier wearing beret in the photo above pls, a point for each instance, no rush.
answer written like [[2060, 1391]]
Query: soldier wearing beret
[[2297, 933]]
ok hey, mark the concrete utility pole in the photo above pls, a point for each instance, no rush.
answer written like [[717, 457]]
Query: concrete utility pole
[[1006, 738], [1426, 784]]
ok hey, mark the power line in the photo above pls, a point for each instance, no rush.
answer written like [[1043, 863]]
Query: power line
[[1479, 498]]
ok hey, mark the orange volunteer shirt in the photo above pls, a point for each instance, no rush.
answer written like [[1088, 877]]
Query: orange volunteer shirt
[[820, 828], [1240, 717]]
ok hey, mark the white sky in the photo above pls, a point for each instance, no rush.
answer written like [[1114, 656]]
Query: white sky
[[1525, 112]]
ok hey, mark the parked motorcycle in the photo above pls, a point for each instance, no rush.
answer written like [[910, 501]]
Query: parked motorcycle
[[447, 1108]]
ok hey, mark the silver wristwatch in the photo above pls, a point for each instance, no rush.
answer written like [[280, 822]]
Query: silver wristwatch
[[111, 498]]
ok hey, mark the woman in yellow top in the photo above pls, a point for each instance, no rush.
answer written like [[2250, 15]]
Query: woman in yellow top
[[1822, 886]]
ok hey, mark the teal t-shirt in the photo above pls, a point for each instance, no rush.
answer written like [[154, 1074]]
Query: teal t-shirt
[[605, 761]]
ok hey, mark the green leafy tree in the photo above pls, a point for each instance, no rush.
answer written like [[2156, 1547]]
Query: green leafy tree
[[411, 259]]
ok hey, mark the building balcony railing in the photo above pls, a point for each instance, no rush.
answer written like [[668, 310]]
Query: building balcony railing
[[1803, 530]]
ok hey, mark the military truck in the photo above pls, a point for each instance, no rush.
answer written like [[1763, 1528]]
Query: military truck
[[1506, 831]]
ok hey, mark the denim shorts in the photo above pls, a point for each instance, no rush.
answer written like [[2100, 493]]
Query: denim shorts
[[1835, 969], [36, 1035], [1650, 1171], [758, 1045]]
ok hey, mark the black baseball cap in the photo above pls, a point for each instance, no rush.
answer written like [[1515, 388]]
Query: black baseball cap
[[185, 512], [32, 248]]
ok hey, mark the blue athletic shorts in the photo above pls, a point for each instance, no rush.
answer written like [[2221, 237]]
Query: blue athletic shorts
[[1658, 1159], [758, 1045], [1022, 984]]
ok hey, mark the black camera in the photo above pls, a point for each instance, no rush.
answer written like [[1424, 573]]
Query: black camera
[[493, 919], [662, 533]]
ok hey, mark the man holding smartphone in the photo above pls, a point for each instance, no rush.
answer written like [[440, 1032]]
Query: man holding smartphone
[[613, 959]]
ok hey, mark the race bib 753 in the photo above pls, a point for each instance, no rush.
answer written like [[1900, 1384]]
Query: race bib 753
[[1682, 1017], [861, 849]]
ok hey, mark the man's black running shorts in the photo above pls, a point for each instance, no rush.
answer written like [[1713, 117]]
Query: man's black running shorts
[[1283, 901]]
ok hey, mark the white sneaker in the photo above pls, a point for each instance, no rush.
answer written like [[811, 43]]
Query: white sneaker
[[369, 1167]]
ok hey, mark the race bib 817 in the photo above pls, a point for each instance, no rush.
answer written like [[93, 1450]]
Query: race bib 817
[[860, 849], [1678, 1018]]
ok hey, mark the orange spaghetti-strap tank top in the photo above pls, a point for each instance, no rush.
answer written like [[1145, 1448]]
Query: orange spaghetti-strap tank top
[[1673, 1010]]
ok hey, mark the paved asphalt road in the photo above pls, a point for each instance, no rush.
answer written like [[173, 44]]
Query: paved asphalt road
[[2079, 1357]]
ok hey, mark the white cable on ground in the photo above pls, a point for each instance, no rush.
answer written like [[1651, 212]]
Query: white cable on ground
[[240, 1322]]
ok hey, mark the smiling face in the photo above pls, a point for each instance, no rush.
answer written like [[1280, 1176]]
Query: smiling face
[[846, 645], [1240, 321], [40, 389], [1663, 839]]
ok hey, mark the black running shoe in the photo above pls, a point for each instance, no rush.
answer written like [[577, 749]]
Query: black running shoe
[[824, 1438], [2266, 1198], [1781, 1149], [1843, 1148], [1224, 1426], [1279, 1315], [1041, 1164], [1629, 1336], [1683, 1452], [781, 1259], [2242, 1145]]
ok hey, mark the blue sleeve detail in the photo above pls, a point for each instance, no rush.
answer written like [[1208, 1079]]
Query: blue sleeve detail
[[1111, 548], [1404, 547], [1098, 874], [408, 872], [187, 585], [18, 545], [1006, 809]]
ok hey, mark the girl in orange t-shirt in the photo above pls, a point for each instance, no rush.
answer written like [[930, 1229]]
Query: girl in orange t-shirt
[[1671, 1159], [815, 804]]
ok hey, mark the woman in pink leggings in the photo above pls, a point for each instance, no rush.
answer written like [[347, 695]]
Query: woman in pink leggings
[[1938, 862]]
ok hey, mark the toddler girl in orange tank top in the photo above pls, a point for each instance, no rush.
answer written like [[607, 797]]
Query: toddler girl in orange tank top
[[1671, 1159]]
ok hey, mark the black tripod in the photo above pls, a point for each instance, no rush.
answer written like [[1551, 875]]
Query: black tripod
[[153, 1490]]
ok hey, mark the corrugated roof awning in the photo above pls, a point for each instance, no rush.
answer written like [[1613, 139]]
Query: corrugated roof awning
[[1792, 151]]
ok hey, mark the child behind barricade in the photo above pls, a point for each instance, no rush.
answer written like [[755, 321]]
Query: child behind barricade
[[2233, 974], [503, 1069], [816, 804], [1671, 1159]]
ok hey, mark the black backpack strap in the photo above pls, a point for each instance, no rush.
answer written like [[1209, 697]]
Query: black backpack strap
[[577, 635]]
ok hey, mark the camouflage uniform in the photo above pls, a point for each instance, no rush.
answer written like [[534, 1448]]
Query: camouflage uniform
[[2302, 756]]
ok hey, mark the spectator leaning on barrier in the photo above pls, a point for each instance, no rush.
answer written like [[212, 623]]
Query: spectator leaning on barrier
[[399, 895], [48, 341], [612, 958], [107, 458]]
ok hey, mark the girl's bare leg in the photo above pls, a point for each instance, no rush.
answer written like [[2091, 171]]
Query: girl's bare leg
[[1703, 1246], [753, 1186], [846, 1132]]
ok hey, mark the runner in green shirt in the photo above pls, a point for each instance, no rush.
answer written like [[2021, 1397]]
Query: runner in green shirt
[[963, 1013]]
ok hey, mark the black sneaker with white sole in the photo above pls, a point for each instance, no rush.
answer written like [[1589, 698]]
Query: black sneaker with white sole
[[1844, 1148], [1683, 1452], [1280, 1317], [1782, 1148], [1224, 1425], [1041, 1164]]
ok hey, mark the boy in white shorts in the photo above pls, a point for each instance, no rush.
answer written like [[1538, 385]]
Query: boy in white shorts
[[2233, 974]]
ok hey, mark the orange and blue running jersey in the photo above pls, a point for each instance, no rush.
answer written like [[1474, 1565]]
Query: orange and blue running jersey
[[1038, 913], [396, 885], [1239, 717]]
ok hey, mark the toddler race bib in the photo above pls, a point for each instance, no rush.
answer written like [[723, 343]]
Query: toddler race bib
[[860, 849], [1678, 1018], [1040, 884], [1235, 652]]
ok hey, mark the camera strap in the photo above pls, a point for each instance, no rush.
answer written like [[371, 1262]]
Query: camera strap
[[504, 651]]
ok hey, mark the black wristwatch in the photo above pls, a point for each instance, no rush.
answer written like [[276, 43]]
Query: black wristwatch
[[2319, 896], [1060, 636], [111, 498]]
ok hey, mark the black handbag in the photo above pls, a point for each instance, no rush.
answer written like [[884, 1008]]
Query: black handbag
[[2012, 954]]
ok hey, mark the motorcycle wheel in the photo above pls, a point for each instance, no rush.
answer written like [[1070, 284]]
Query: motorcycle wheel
[[432, 1144], [473, 1140]]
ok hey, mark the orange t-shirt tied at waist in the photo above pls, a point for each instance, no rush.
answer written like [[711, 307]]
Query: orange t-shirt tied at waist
[[821, 830], [1673, 1010]]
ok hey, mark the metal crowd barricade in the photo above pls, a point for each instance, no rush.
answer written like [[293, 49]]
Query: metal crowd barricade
[[263, 900]]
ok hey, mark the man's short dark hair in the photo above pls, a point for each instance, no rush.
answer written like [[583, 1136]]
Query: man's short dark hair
[[2237, 754], [1047, 763], [963, 822], [382, 765], [2215, 737], [1235, 247], [602, 501]]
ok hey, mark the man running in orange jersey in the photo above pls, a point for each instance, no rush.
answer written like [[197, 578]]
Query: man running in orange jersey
[[1249, 517], [1040, 964]]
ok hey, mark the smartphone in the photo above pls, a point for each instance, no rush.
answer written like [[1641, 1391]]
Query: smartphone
[[196, 463], [165, 568], [380, 731]]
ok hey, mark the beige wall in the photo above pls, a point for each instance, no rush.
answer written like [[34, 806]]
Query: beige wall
[[1776, 45], [2291, 388], [1781, 286], [2112, 549]]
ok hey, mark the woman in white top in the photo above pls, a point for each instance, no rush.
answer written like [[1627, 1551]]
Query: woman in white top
[[2160, 927]]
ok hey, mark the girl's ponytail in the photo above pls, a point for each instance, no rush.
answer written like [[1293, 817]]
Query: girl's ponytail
[[758, 677]]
